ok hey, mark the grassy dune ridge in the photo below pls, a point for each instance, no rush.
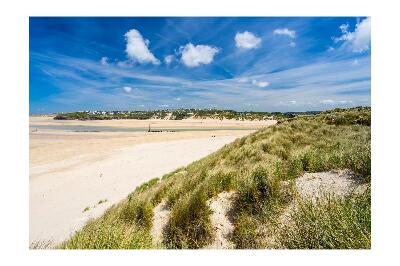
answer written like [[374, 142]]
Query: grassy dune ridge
[[260, 168]]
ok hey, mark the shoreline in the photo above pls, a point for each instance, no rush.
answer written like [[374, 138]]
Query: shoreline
[[157, 123]]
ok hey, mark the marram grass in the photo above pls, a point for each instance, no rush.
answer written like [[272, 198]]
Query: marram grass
[[261, 168]]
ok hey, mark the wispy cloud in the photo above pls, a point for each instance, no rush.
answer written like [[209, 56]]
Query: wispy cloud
[[316, 82], [285, 31], [291, 34]]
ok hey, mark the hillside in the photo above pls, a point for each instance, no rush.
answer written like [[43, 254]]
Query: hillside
[[303, 183]]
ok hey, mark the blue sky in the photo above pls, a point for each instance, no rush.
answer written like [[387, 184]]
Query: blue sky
[[255, 63]]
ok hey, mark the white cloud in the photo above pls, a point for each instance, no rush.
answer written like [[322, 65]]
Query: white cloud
[[362, 36], [285, 31], [331, 102], [177, 99], [346, 36], [127, 89], [247, 40], [359, 40], [328, 101], [292, 102], [289, 33], [261, 84], [104, 61], [137, 48], [168, 59], [355, 62], [195, 55]]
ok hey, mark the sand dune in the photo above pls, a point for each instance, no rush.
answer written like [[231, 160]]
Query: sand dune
[[59, 195]]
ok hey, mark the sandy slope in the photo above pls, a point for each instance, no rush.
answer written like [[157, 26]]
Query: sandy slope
[[160, 221], [221, 220], [59, 193]]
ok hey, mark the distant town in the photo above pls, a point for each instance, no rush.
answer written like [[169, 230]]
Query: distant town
[[179, 114]]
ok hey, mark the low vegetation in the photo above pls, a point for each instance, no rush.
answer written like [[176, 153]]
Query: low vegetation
[[178, 114], [108, 115], [261, 168], [329, 223]]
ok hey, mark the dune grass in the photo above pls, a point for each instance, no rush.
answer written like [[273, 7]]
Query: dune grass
[[261, 168], [329, 223]]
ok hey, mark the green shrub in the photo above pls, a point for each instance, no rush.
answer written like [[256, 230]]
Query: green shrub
[[255, 194], [138, 212], [314, 161], [108, 235], [159, 194], [144, 215], [294, 169], [189, 225], [281, 152], [330, 223], [219, 182], [358, 159], [244, 234]]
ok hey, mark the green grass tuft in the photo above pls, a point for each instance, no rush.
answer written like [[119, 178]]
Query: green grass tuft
[[330, 223], [189, 225], [245, 233]]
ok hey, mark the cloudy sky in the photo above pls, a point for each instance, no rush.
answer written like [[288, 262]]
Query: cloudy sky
[[260, 64]]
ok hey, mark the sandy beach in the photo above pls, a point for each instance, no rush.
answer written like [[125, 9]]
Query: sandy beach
[[71, 172]]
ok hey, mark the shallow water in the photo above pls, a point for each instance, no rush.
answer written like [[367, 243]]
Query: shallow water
[[83, 128]]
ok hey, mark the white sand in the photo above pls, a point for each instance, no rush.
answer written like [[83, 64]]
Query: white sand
[[337, 183], [61, 190], [160, 221], [221, 220]]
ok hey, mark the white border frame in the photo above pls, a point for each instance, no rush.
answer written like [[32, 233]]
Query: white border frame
[[14, 134]]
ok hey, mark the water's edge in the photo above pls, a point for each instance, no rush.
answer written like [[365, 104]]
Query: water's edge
[[83, 128]]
